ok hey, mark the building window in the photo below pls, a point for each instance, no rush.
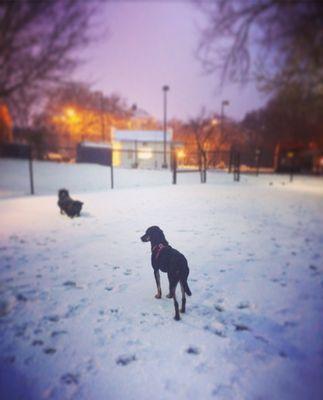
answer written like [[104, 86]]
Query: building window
[[145, 153]]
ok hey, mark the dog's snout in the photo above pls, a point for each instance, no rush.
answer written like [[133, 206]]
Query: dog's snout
[[144, 238]]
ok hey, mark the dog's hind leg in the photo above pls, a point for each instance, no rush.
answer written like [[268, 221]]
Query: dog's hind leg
[[173, 293], [183, 299]]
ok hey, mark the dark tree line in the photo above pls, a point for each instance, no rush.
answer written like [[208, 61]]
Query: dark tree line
[[288, 117]]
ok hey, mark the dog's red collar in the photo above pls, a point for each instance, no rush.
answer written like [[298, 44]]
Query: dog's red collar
[[158, 248]]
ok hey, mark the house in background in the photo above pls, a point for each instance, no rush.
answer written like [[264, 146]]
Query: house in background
[[141, 148]]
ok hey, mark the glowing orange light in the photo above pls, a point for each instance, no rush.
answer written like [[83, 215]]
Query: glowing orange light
[[70, 112], [180, 153], [71, 115]]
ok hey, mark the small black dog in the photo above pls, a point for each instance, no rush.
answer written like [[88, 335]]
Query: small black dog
[[167, 259], [67, 205]]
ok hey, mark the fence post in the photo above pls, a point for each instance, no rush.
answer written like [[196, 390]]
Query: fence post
[[135, 165], [111, 170], [257, 156], [111, 176], [231, 160], [174, 166], [31, 172], [199, 160], [291, 176], [291, 157], [236, 166], [204, 163]]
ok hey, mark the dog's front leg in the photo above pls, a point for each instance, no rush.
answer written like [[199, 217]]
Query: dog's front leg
[[169, 295], [157, 278]]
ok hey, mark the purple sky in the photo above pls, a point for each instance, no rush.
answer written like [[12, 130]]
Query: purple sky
[[152, 43]]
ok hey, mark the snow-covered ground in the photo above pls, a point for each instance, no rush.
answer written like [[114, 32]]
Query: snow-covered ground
[[78, 317]]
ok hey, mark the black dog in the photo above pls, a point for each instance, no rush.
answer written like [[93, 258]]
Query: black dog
[[67, 205], [167, 259]]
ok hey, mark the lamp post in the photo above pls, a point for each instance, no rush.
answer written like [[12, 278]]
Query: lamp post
[[165, 90], [223, 104]]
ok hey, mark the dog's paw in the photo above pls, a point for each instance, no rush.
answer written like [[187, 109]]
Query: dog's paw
[[177, 318], [169, 296], [158, 296]]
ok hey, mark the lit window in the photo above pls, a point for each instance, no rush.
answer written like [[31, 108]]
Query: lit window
[[145, 153]]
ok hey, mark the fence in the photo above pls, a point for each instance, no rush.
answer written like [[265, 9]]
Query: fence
[[95, 154], [205, 161], [179, 162], [192, 162], [20, 151]]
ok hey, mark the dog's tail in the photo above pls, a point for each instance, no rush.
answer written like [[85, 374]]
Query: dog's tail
[[186, 288]]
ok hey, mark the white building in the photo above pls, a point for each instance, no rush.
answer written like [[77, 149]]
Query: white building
[[141, 148]]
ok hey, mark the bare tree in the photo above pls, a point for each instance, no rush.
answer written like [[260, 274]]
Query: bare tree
[[72, 112], [211, 133], [277, 42], [203, 128], [38, 40]]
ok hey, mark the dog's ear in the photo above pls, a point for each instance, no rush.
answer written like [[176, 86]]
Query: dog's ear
[[157, 235], [162, 236]]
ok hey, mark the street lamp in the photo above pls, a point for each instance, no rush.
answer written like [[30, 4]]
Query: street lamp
[[70, 112], [100, 97], [213, 122], [165, 90], [223, 104], [102, 116], [70, 116]]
